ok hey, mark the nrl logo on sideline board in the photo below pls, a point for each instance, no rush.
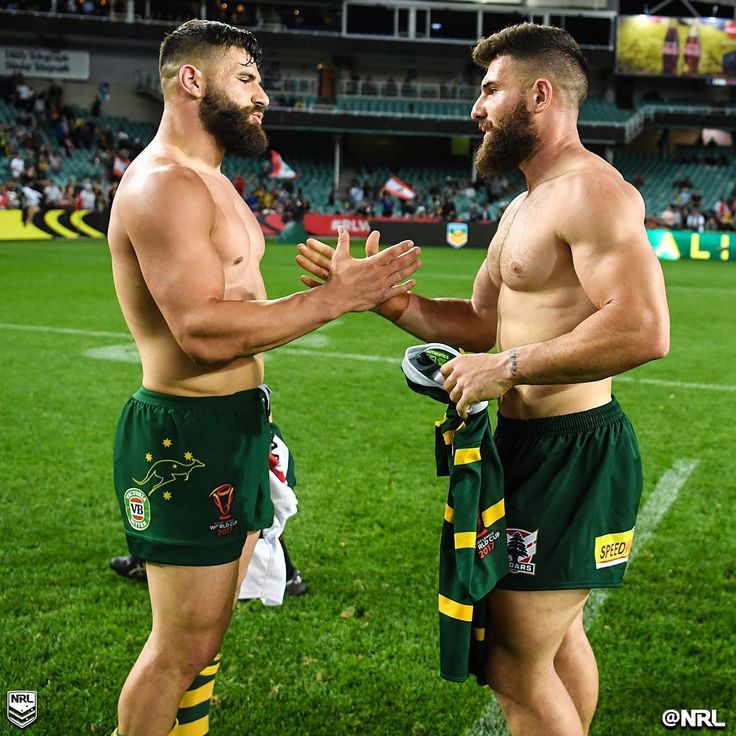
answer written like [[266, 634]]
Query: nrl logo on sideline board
[[22, 707]]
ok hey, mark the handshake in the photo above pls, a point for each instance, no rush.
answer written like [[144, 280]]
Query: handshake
[[380, 281]]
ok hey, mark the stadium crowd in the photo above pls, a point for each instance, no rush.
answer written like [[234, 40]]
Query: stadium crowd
[[46, 133]]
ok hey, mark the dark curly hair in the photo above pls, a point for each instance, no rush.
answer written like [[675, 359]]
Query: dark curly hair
[[203, 37], [542, 50]]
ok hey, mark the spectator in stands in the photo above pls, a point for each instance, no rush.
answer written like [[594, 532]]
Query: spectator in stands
[[671, 217], [31, 202], [684, 195], [87, 196], [239, 183], [711, 223], [356, 195], [387, 205], [723, 212], [51, 195], [696, 220], [24, 95], [17, 166], [251, 199], [447, 209]]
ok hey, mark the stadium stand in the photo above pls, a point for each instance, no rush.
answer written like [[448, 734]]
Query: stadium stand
[[431, 96]]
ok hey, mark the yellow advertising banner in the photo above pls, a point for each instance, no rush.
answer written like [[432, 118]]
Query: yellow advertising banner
[[695, 47]]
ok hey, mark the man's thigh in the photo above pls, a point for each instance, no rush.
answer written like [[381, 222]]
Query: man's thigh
[[530, 625], [189, 602]]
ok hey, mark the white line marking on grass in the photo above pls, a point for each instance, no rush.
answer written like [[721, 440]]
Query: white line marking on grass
[[62, 330], [491, 721], [312, 351], [677, 384]]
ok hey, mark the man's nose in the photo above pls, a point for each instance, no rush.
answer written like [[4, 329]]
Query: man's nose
[[477, 112]]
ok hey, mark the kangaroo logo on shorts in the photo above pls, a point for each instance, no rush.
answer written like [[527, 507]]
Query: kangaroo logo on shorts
[[164, 472], [522, 546], [137, 508]]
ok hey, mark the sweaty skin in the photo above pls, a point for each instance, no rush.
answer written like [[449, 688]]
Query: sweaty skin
[[237, 246], [186, 253], [570, 293]]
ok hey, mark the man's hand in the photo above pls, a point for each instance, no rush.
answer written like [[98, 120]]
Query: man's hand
[[472, 378], [317, 258]]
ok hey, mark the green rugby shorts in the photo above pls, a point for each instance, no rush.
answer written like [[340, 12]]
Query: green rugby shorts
[[572, 486], [191, 475]]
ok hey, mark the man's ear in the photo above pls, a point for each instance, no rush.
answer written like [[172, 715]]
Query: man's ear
[[541, 94], [191, 80]]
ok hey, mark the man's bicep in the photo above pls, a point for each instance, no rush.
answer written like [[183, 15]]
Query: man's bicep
[[485, 296], [172, 241], [612, 257]]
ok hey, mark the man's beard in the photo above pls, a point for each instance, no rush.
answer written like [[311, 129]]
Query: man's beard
[[511, 141], [227, 122]]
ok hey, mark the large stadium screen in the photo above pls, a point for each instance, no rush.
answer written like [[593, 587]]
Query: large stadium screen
[[688, 47]]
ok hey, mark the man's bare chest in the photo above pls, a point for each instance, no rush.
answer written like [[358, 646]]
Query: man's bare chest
[[526, 253], [238, 239]]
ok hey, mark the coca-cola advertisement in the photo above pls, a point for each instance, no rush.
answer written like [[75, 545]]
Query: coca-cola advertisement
[[678, 47]]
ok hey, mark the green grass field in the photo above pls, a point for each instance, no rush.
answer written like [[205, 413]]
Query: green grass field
[[356, 656]]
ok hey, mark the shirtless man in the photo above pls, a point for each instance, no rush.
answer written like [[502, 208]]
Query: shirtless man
[[570, 293], [191, 449]]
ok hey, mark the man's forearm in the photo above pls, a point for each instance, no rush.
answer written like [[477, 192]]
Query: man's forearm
[[226, 330], [451, 321], [605, 344]]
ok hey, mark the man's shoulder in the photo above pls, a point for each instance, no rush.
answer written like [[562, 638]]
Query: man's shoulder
[[594, 182], [154, 179]]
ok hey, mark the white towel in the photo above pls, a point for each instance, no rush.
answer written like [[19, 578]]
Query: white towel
[[266, 576]]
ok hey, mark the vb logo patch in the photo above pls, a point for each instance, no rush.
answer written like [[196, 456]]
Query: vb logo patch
[[613, 549], [522, 546], [137, 508], [22, 707]]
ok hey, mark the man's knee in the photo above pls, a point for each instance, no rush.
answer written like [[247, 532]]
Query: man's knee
[[505, 673], [190, 655]]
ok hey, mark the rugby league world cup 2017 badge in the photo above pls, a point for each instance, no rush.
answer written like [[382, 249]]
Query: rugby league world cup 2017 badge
[[22, 707], [222, 497]]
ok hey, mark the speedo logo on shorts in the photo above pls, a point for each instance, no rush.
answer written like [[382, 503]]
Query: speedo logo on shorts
[[522, 546], [613, 549]]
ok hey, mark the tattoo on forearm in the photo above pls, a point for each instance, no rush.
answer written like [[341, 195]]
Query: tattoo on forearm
[[512, 356]]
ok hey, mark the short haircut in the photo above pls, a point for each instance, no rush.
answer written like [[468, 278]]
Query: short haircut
[[543, 51], [197, 38]]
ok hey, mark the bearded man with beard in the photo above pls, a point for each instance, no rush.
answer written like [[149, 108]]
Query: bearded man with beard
[[191, 456], [570, 294]]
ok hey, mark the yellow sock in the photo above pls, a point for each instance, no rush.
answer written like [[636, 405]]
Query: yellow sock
[[194, 709]]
